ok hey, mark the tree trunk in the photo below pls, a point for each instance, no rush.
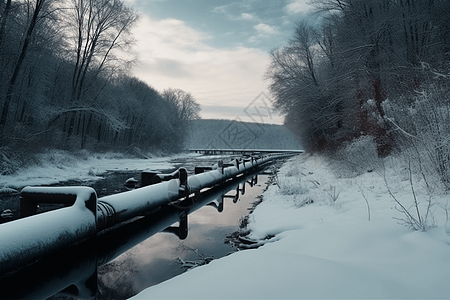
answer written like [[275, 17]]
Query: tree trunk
[[4, 19], [85, 131], [23, 52]]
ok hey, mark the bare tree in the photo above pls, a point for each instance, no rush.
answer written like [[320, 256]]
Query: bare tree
[[38, 10], [184, 105], [5, 9], [183, 109], [98, 30], [302, 83], [303, 45]]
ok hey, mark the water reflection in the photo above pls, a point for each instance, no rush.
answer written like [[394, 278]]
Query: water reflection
[[89, 270]]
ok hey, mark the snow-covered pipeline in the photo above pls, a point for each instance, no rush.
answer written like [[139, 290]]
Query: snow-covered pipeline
[[118, 208], [25, 240]]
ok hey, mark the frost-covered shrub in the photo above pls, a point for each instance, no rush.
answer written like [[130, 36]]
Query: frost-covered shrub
[[8, 162], [333, 193], [17, 148], [111, 155], [422, 127], [291, 185], [293, 171], [356, 157], [423, 132], [57, 158]]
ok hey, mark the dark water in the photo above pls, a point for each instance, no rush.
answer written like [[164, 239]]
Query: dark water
[[120, 263], [112, 183], [160, 257]]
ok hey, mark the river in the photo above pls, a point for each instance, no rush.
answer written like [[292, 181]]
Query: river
[[122, 262]]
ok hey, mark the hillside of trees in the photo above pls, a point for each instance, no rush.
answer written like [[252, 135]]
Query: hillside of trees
[[227, 134], [64, 83], [372, 70]]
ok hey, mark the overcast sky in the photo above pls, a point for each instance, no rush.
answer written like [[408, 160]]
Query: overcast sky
[[217, 50]]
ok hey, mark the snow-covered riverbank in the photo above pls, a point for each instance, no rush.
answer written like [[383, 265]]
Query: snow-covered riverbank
[[321, 243], [59, 166]]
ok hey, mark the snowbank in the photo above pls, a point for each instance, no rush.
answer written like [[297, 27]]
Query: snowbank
[[58, 166], [321, 244]]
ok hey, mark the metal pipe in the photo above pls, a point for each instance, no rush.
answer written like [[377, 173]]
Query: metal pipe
[[208, 179], [121, 207], [23, 241], [242, 151], [76, 266]]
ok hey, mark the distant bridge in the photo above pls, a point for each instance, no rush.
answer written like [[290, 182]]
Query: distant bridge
[[244, 151]]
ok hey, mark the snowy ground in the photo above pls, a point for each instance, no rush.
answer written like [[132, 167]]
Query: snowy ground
[[329, 249], [58, 166]]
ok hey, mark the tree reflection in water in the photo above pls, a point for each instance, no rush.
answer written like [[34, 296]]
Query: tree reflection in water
[[115, 278]]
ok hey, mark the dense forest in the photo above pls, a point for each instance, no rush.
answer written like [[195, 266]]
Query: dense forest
[[64, 83], [372, 70], [226, 134]]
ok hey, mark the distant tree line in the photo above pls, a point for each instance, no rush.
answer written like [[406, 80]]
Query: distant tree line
[[226, 134], [371, 68], [64, 82]]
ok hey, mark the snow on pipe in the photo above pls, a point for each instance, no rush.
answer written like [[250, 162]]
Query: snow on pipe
[[118, 208], [168, 216], [114, 209], [23, 241], [207, 179], [76, 267]]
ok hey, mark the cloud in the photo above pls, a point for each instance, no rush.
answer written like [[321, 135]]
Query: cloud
[[247, 16], [231, 11], [132, 2], [220, 9], [297, 6], [265, 29], [174, 32], [172, 54], [233, 6]]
